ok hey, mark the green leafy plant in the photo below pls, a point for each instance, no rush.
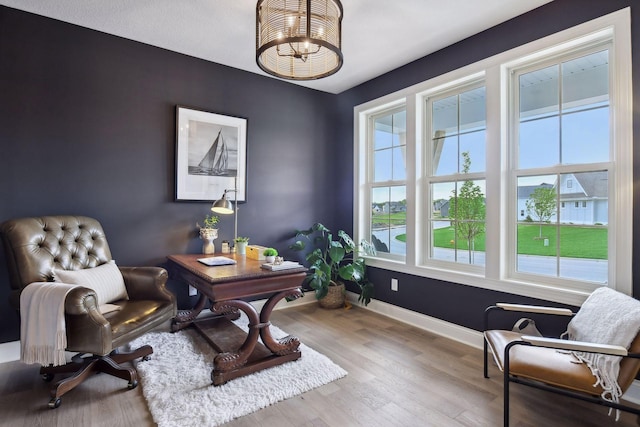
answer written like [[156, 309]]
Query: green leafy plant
[[270, 252], [210, 221], [333, 260], [241, 239]]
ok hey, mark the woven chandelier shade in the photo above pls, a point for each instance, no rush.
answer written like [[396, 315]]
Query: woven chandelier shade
[[299, 39]]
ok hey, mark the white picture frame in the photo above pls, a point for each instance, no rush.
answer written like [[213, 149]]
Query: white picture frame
[[210, 155]]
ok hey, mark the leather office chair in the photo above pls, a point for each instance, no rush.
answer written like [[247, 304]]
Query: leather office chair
[[548, 363], [34, 247]]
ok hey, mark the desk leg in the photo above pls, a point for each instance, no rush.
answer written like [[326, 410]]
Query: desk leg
[[232, 360], [232, 364], [283, 346], [184, 318]]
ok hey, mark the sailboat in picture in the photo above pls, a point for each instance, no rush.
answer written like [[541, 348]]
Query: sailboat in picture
[[216, 161]]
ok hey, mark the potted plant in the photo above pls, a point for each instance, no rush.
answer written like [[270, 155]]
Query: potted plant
[[331, 261], [270, 255], [241, 245], [208, 233]]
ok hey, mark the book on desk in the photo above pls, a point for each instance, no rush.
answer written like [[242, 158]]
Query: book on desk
[[285, 265], [217, 260]]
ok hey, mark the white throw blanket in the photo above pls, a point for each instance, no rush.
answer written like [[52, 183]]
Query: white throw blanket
[[606, 317], [43, 335]]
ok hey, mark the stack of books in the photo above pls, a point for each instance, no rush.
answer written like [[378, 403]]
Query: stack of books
[[285, 265]]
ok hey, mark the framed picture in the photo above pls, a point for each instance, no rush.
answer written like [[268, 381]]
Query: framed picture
[[211, 154]]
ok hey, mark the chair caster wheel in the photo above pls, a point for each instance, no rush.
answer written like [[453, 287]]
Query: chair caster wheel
[[54, 403], [47, 377], [146, 358], [133, 384]]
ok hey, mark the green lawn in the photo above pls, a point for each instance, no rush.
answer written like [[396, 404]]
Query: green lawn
[[576, 241], [399, 218]]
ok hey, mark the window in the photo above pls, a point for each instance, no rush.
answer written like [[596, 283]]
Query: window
[[562, 131], [388, 189], [500, 175], [456, 161]]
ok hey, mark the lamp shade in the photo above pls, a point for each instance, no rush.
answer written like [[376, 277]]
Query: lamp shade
[[222, 206], [299, 39]]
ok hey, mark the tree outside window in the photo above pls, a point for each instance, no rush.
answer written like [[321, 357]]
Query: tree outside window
[[542, 205], [468, 209]]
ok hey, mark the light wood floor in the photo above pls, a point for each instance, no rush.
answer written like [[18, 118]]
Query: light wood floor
[[398, 376]]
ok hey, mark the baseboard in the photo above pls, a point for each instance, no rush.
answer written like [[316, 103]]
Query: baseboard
[[428, 323], [10, 351]]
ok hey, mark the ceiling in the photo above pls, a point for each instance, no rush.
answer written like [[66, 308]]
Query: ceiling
[[378, 35]]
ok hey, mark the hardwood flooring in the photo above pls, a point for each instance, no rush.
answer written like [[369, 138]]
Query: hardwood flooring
[[398, 376]]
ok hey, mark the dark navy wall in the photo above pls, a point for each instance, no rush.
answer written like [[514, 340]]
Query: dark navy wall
[[87, 127], [459, 304]]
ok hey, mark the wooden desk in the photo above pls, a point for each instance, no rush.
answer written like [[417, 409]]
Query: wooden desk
[[239, 353]]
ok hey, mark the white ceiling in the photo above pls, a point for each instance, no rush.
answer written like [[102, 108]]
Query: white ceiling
[[378, 35]]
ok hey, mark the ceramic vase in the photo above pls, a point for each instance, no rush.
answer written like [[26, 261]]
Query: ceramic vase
[[208, 235]]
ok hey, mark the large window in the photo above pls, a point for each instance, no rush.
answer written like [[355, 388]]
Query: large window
[[514, 173], [562, 137]]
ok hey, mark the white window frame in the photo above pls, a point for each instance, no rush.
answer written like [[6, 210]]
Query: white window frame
[[371, 183], [427, 101], [495, 73], [558, 54]]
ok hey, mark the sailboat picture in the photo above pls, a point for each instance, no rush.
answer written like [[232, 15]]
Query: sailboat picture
[[210, 155], [220, 157]]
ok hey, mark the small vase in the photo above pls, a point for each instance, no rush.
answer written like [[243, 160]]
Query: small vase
[[208, 235], [269, 259], [242, 248]]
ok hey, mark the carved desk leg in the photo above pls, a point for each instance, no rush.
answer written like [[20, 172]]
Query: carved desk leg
[[232, 360], [288, 344], [184, 318]]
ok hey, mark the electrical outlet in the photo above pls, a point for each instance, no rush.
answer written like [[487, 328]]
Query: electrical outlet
[[192, 291], [394, 285]]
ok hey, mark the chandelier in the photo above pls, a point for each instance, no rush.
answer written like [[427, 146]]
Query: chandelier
[[299, 39]]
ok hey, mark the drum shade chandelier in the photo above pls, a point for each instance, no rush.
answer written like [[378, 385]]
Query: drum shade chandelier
[[299, 39]]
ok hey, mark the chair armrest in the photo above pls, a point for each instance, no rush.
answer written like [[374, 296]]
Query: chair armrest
[[523, 308], [81, 301], [87, 329], [575, 345], [535, 309], [146, 283]]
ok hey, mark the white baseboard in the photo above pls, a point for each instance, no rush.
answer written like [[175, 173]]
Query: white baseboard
[[428, 323], [10, 351]]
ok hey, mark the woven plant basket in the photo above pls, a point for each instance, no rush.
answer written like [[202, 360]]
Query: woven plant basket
[[334, 298]]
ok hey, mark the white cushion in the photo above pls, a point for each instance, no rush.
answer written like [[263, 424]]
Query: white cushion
[[106, 280]]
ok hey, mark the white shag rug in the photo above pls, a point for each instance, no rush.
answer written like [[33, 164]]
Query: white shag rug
[[176, 382]]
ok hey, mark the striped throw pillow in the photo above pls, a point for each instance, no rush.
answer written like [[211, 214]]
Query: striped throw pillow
[[106, 280]]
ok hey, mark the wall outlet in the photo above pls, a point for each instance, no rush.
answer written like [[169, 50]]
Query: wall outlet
[[394, 285], [192, 291]]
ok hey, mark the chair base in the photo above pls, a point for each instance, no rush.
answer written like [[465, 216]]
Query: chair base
[[83, 367]]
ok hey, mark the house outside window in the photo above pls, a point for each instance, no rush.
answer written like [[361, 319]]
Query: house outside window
[[507, 167]]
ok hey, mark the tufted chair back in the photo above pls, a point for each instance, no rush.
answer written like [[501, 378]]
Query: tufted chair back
[[35, 246]]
